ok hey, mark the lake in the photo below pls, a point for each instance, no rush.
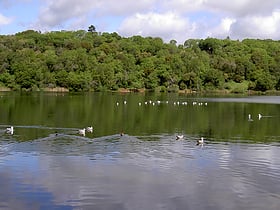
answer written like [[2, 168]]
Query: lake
[[46, 164]]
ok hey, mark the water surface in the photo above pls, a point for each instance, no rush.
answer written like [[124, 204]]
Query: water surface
[[46, 164]]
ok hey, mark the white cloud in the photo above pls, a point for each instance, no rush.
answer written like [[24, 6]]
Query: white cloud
[[183, 6], [223, 29], [58, 12], [5, 20], [243, 7], [167, 26], [235, 8], [201, 18], [124, 7], [169, 19], [267, 27]]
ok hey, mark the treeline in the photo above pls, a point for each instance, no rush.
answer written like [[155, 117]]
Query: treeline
[[91, 61]]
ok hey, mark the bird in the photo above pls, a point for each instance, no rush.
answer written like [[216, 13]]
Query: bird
[[89, 129], [10, 130], [200, 141], [82, 132], [259, 116], [179, 137], [250, 117]]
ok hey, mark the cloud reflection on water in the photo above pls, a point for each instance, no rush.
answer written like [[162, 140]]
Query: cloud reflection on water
[[136, 174]]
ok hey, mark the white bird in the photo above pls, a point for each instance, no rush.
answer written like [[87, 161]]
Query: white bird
[[82, 132], [259, 116], [179, 137], [200, 141], [89, 129], [10, 130], [250, 117]]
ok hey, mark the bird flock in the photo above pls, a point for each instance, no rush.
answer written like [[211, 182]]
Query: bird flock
[[158, 102], [200, 141], [83, 131], [10, 130], [175, 103], [89, 129], [259, 116]]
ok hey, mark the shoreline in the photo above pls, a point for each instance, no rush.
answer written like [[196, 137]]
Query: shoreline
[[123, 90]]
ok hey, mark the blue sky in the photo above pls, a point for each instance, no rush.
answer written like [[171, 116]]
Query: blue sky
[[168, 19]]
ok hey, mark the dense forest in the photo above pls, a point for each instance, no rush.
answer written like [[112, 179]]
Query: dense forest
[[93, 61]]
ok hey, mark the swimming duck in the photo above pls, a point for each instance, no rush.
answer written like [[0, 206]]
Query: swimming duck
[[10, 130], [89, 129], [82, 132], [179, 137], [200, 141]]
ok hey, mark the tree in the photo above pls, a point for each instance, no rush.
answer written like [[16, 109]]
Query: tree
[[173, 42], [212, 79], [84, 60], [91, 29]]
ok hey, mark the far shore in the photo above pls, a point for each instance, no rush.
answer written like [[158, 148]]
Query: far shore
[[186, 91]]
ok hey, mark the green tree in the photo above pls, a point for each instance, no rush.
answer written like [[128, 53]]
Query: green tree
[[91, 28]]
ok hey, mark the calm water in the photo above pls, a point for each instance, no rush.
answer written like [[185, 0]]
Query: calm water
[[46, 164]]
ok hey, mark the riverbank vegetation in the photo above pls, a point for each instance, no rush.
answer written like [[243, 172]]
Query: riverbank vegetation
[[93, 61]]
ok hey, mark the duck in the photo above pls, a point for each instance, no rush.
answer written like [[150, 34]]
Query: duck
[[10, 130], [89, 129], [200, 141], [179, 137], [82, 132]]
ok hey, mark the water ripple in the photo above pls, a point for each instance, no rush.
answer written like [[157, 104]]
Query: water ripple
[[140, 172]]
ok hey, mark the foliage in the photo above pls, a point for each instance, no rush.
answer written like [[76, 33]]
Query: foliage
[[93, 61], [235, 87]]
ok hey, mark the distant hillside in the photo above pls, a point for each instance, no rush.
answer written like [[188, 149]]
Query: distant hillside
[[91, 61]]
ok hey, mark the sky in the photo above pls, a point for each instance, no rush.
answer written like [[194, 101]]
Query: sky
[[178, 20]]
